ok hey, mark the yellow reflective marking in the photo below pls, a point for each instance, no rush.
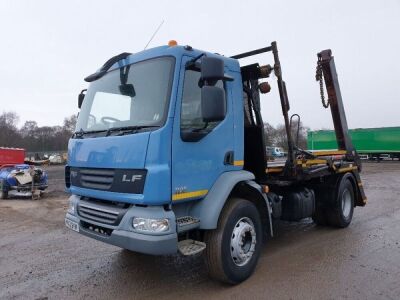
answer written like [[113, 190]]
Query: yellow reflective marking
[[274, 170], [311, 162], [328, 152], [238, 163], [347, 169], [186, 195]]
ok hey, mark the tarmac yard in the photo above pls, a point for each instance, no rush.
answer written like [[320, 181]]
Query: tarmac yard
[[40, 258]]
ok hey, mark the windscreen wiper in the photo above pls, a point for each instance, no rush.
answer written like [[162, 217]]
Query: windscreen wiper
[[122, 130], [79, 134], [129, 129]]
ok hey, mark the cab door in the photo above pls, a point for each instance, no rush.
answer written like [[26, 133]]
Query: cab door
[[200, 152]]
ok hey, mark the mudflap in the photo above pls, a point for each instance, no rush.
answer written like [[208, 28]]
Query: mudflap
[[361, 199]]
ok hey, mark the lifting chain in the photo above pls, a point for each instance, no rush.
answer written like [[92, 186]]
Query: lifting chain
[[319, 77]]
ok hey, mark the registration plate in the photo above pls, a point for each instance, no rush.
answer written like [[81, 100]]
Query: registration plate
[[72, 225]]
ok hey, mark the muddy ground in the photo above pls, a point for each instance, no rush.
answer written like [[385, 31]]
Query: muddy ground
[[40, 258]]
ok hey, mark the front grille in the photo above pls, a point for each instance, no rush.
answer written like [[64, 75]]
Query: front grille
[[111, 180], [101, 212], [100, 179]]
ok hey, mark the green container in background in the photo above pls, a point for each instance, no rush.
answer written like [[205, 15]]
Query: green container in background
[[384, 140]]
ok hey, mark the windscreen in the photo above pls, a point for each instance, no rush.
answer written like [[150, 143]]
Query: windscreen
[[134, 95]]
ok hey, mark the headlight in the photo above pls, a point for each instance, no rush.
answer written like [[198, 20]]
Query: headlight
[[71, 207], [150, 225]]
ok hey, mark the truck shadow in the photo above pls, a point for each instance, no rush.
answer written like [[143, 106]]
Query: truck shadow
[[177, 272], [168, 266], [135, 275]]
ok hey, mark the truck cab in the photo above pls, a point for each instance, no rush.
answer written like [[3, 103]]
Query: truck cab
[[151, 149], [169, 156]]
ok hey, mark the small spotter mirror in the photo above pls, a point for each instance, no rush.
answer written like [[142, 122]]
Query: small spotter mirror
[[212, 70], [127, 90]]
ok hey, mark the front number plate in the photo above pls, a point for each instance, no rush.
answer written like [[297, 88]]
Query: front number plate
[[72, 225]]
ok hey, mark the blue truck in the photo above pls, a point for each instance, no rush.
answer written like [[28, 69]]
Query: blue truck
[[169, 156]]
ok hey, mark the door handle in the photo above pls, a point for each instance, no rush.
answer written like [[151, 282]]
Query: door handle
[[229, 158]]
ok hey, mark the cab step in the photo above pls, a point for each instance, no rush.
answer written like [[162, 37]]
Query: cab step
[[191, 247], [187, 223]]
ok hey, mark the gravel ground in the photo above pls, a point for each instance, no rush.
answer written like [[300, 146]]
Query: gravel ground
[[40, 258]]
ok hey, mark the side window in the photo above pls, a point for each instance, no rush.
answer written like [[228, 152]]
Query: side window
[[191, 103]]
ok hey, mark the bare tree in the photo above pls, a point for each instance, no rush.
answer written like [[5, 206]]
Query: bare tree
[[8, 129], [270, 134], [70, 123], [28, 130], [277, 136]]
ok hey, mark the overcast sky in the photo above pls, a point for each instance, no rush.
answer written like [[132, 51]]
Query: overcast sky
[[48, 47]]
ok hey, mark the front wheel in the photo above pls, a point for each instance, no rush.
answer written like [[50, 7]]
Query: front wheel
[[234, 247]]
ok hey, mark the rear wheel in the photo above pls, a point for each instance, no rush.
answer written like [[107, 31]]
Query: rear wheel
[[341, 213], [335, 205], [234, 247]]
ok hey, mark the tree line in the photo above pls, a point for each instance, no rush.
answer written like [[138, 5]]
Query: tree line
[[34, 138]]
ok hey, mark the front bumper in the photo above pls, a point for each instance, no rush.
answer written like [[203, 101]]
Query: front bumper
[[29, 187], [124, 235]]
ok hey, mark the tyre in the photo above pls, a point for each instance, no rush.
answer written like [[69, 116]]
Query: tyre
[[341, 213], [234, 247], [3, 194], [335, 203]]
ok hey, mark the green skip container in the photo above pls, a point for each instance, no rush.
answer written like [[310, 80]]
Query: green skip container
[[368, 141]]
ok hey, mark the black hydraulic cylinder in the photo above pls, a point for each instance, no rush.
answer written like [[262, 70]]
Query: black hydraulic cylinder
[[285, 109]]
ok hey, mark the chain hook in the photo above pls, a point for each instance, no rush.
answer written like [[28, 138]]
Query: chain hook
[[319, 77]]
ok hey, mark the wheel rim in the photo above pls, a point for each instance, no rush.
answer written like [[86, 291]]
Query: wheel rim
[[243, 241], [346, 203]]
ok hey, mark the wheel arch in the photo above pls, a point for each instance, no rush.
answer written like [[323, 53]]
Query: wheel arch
[[326, 192], [252, 192], [209, 209]]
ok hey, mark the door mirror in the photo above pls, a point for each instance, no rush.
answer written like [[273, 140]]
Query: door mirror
[[81, 96], [213, 104]]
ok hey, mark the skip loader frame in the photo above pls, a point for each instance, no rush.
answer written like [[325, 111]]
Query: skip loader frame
[[194, 176]]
